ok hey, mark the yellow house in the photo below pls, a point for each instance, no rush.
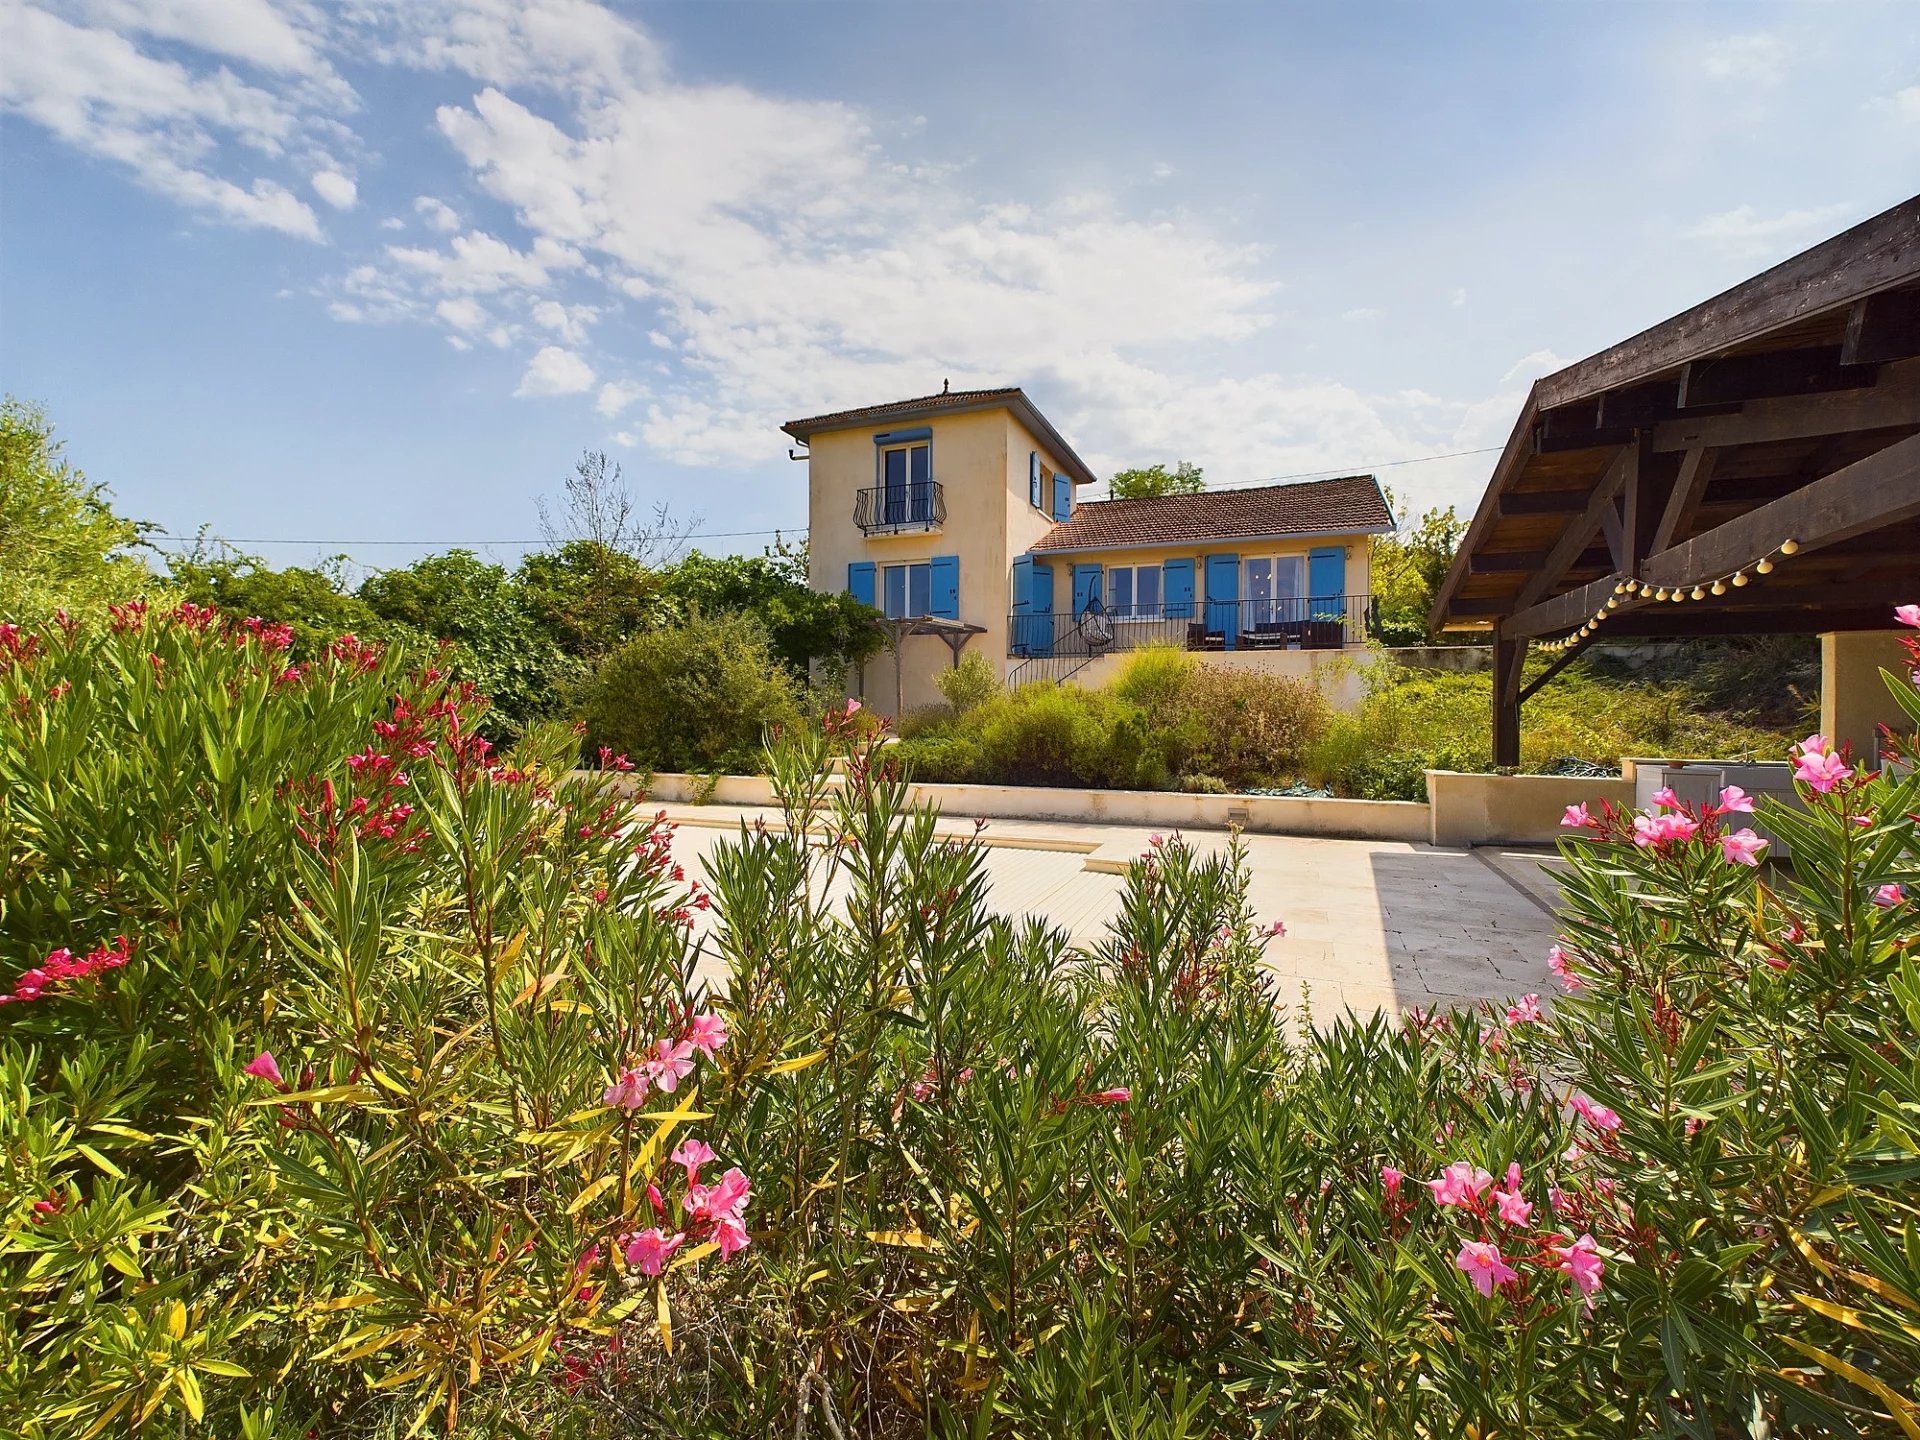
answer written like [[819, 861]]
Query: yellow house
[[956, 516]]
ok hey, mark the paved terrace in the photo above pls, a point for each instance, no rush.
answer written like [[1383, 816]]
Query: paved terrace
[[1371, 924]]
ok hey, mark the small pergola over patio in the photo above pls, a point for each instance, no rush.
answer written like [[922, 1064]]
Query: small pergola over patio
[[1749, 467]]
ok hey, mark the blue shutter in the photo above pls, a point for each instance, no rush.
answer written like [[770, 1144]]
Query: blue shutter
[[1062, 497], [860, 581], [1327, 580], [1040, 609], [1017, 632], [1086, 588], [1223, 598], [1033, 478], [1178, 575], [946, 587]]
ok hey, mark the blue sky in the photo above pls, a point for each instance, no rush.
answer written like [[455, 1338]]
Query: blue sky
[[378, 270]]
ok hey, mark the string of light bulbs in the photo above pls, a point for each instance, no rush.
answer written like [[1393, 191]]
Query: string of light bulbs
[[1631, 589]]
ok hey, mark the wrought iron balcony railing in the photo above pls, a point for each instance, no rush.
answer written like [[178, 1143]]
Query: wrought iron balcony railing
[[1320, 623], [888, 509]]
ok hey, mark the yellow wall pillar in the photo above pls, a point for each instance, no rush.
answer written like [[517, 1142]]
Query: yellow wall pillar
[[1854, 701]]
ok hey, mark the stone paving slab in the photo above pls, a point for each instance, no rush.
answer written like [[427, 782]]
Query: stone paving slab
[[1371, 925]]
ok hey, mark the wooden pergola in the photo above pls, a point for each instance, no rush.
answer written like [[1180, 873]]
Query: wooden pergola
[[1750, 466]]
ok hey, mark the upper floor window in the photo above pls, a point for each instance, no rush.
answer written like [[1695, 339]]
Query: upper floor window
[[906, 483]]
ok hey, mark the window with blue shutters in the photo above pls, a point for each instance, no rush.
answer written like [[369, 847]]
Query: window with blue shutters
[[907, 591], [1327, 580]]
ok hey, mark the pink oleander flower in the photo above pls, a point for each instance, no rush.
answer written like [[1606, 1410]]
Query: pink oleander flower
[[1556, 1198], [1651, 830], [1580, 1259], [1595, 1114], [692, 1154], [1118, 1095], [1742, 847], [1817, 766], [1577, 818], [628, 1092], [1560, 962], [1390, 1179], [1907, 615], [671, 1063], [1888, 896], [706, 1033], [1461, 1183], [1483, 1265], [263, 1067], [731, 1236], [1666, 799], [649, 1250], [1524, 1011], [1732, 799], [1515, 1209]]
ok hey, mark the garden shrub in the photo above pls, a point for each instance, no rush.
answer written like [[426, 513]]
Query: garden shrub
[[939, 759], [700, 695], [398, 1110], [968, 684], [1252, 729]]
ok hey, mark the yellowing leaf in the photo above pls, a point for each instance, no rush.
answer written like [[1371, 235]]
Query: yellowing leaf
[[319, 1097], [906, 1239], [664, 1314], [1903, 1414], [105, 1164], [799, 1062], [177, 1321], [593, 1192]]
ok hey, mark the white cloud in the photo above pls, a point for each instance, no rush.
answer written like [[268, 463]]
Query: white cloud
[[1362, 313], [253, 31], [569, 322], [1743, 233], [1748, 59], [555, 371], [336, 189], [463, 313], [393, 222], [437, 213], [96, 90], [479, 263], [1905, 104], [1459, 297], [617, 395]]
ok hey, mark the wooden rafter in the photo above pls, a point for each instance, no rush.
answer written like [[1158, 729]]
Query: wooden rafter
[[1696, 473]]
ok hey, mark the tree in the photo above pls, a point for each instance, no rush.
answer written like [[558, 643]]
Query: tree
[[590, 599], [314, 600], [805, 624], [1147, 481], [496, 641], [599, 510], [1408, 568], [62, 547]]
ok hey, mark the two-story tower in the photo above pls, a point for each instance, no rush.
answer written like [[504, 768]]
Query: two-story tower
[[922, 507]]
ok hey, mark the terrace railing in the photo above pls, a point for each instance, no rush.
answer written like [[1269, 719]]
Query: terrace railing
[[896, 509], [1328, 622]]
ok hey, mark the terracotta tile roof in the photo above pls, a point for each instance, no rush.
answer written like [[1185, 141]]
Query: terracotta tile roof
[[1349, 505], [952, 402]]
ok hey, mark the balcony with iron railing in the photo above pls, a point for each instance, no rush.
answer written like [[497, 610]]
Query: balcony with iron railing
[[1329, 622], [916, 507]]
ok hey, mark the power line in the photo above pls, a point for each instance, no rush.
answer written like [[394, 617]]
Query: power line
[[802, 529], [452, 544]]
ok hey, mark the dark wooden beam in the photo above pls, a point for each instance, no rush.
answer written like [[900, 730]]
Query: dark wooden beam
[[1881, 490], [1638, 405], [1505, 562], [1873, 256], [1594, 439], [1639, 503], [1508, 658], [1562, 612], [1613, 527], [1696, 472], [1581, 529], [1544, 502], [1894, 401], [1679, 622], [1731, 379], [1475, 606], [1882, 327]]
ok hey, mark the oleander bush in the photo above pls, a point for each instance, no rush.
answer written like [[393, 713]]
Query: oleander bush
[[361, 1081]]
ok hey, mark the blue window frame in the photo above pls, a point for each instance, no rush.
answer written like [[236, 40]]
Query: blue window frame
[[1134, 591], [907, 591]]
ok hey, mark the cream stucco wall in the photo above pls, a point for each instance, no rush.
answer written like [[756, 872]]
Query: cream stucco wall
[[1854, 699], [979, 460]]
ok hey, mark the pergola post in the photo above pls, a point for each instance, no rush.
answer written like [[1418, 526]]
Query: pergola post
[[1508, 656]]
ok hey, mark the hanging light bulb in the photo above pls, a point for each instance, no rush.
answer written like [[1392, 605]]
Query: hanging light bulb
[[1621, 588], [1719, 587], [1677, 596], [1788, 547], [1633, 587], [1698, 594], [1612, 601], [1739, 577], [1765, 567]]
